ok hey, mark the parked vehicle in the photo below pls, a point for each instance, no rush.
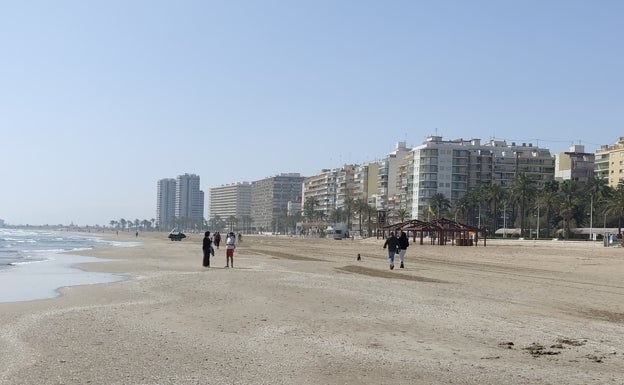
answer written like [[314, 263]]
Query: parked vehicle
[[176, 235], [340, 231]]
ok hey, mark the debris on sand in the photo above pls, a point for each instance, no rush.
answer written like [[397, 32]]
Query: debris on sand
[[571, 342], [537, 350]]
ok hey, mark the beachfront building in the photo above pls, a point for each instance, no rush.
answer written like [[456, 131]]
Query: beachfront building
[[332, 189], [165, 204], [231, 204], [388, 178], [609, 163], [346, 188], [453, 167], [574, 164], [189, 201], [322, 189], [374, 182], [365, 177], [269, 200]]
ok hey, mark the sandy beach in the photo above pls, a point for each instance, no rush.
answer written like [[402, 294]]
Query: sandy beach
[[304, 311]]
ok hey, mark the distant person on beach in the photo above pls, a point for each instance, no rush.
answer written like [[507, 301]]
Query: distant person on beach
[[230, 245], [403, 245], [207, 249], [217, 239], [137, 234], [392, 243], [240, 237]]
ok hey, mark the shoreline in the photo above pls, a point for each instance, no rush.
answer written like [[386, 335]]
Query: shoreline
[[304, 311], [43, 279]]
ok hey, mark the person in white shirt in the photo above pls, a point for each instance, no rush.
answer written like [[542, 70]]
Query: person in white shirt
[[230, 245]]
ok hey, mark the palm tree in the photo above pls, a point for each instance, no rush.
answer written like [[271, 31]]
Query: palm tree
[[360, 206], [309, 208], [568, 191], [216, 223], [247, 220], [440, 204], [232, 220], [337, 215], [547, 200], [349, 205], [597, 188], [615, 205], [370, 212], [523, 191], [475, 199], [461, 208], [494, 194], [401, 214]]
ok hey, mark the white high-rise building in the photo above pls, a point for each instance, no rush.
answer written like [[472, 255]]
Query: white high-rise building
[[231, 200], [453, 167]]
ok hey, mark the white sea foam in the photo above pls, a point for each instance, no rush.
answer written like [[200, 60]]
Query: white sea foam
[[37, 273]]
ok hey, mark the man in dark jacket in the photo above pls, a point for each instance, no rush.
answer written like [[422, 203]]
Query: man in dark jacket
[[392, 243], [206, 248]]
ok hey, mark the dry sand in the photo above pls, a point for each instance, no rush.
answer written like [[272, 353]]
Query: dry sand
[[304, 311]]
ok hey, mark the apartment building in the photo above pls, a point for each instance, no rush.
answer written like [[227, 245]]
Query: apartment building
[[179, 202], [231, 200], [189, 199], [389, 177], [165, 203], [346, 188], [609, 163], [270, 197], [574, 164], [321, 187], [453, 167], [365, 177]]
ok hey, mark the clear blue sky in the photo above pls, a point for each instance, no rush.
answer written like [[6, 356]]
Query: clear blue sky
[[100, 99]]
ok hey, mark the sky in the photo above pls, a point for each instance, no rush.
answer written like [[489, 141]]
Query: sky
[[101, 99]]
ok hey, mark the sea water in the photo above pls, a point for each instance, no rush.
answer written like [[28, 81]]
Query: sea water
[[33, 266]]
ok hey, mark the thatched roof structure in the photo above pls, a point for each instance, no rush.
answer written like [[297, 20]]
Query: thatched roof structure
[[440, 231]]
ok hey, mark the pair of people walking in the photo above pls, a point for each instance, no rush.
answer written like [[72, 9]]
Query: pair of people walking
[[396, 246], [208, 250]]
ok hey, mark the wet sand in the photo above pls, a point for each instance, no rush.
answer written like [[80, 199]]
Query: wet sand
[[304, 311]]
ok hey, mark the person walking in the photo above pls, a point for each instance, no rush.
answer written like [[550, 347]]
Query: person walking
[[403, 245], [230, 245], [392, 243], [217, 239], [207, 248]]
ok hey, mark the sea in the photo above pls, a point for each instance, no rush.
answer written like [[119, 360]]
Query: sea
[[33, 264]]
